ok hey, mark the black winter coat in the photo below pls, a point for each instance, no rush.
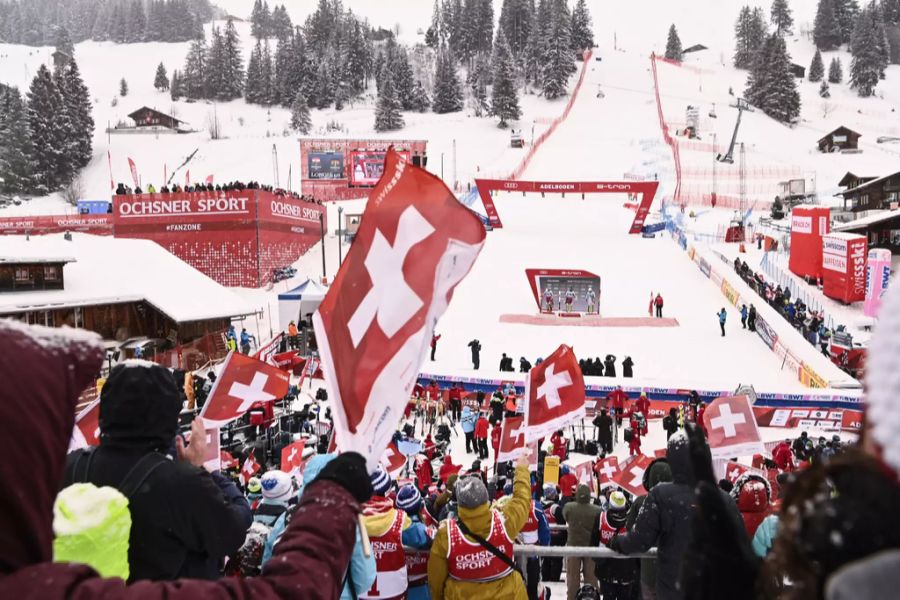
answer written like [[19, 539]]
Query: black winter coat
[[603, 423], [665, 521], [184, 519], [627, 367], [609, 367]]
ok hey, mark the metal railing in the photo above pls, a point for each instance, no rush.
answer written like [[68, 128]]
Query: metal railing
[[561, 551]]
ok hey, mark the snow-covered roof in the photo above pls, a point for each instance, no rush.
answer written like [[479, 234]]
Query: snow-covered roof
[[876, 217], [870, 183], [107, 270]]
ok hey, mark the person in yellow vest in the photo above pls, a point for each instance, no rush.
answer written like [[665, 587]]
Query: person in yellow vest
[[231, 344], [389, 530], [462, 568]]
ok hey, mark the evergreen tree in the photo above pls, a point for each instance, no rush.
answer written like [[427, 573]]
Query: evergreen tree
[[782, 17], [357, 57], [280, 25], [891, 11], [137, 22], [750, 34], [504, 99], [771, 86], [816, 68], [64, 42], [582, 29], [49, 163], [826, 29], [478, 78], [214, 63], [421, 102], [161, 81], [300, 120], [846, 13], [323, 87], [870, 51], [432, 36], [537, 43], [16, 151], [123, 87], [266, 76], [77, 104], [176, 88], [558, 62], [447, 92], [673, 45], [260, 20], [835, 71], [387, 111], [232, 68], [193, 76], [403, 79], [515, 21], [824, 91]]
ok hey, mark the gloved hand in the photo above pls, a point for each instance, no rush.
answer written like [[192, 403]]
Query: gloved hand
[[349, 471]]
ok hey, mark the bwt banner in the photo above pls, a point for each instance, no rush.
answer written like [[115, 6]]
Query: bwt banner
[[95, 224], [844, 267], [878, 272]]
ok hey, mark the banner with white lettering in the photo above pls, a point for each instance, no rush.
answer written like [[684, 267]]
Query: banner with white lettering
[[415, 244]]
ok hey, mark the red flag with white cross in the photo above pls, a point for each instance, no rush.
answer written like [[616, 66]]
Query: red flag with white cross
[[87, 427], [393, 460], [554, 394], [631, 476], [606, 469], [512, 439], [248, 469], [731, 427], [415, 243], [292, 458], [243, 381], [733, 470]]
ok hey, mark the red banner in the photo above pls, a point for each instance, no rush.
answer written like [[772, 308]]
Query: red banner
[[844, 267], [808, 225], [646, 189], [134, 173], [95, 224]]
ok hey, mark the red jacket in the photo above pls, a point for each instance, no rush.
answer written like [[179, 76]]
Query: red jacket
[[481, 428], [567, 485], [643, 406], [659, 300], [783, 456], [455, 393], [47, 377], [434, 391], [448, 469], [618, 398], [495, 437], [434, 340]]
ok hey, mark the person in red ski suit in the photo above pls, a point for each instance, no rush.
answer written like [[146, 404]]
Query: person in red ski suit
[[700, 424], [634, 446], [658, 303], [783, 456], [448, 469], [618, 400], [495, 439], [560, 445]]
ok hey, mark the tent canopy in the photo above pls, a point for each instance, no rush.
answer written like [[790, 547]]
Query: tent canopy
[[296, 303], [308, 290]]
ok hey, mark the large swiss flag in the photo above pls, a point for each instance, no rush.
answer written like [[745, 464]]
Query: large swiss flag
[[243, 381], [512, 439], [416, 242], [631, 476], [554, 394], [606, 470], [292, 458], [731, 427]]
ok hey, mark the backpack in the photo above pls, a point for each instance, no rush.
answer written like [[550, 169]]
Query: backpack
[[91, 524], [590, 448], [579, 447]]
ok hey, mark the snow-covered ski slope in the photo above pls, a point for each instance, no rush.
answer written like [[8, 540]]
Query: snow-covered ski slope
[[597, 142]]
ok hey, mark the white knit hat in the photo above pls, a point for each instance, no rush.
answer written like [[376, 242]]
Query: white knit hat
[[276, 486], [883, 380]]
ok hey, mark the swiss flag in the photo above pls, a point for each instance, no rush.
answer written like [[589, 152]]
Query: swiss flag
[[631, 476], [290, 361], [227, 460], [243, 381], [416, 242], [292, 458], [584, 473], [87, 427], [512, 439], [606, 469], [733, 470], [212, 460], [554, 394], [731, 427], [393, 460], [249, 469]]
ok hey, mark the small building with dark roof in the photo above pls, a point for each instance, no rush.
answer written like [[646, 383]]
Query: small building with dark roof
[[798, 71], [150, 117], [871, 193], [694, 48], [839, 140]]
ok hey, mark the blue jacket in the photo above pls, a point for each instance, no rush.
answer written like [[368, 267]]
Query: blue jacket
[[245, 338], [722, 316], [230, 333], [744, 312], [765, 535], [543, 526], [467, 420], [362, 569]]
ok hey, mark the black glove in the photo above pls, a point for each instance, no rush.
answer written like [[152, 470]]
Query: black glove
[[349, 471]]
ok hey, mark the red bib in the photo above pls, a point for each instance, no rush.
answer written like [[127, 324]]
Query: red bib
[[529, 533], [470, 561], [607, 531], [390, 562]]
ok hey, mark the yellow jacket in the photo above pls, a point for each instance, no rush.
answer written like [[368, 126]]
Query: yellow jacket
[[511, 587], [378, 524]]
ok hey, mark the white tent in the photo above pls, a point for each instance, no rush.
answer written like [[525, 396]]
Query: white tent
[[295, 304]]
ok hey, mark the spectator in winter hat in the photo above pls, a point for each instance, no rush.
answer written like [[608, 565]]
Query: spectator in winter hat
[[497, 579], [46, 369], [183, 519], [416, 535], [277, 492]]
